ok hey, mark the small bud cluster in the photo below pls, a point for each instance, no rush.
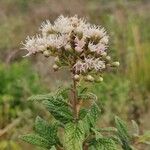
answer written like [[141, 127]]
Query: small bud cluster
[[74, 43]]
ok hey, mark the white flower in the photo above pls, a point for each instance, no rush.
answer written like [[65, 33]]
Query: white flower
[[79, 44], [98, 48], [35, 44], [63, 25], [80, 25], [30, 45], [67, 36], [79, 67], [57, 41], [61, 41], [89, 64], [94, 31], [104, 40], [46, 28], [101, 48], [96, 64], [92, 47]]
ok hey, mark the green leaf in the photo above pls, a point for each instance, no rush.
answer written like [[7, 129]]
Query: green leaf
[[59, 109], [103, 144], [40, 97], [56, 105], [98, 135], [123, 133], [91, 117], [63, 92], [108, 129], [46, 131], [57, 99], [36, 140], [82, 113], [73, 137]]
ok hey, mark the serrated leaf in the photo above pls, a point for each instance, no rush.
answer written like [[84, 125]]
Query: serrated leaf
[[103, 144], [74, 136], [63, 92], [40, 97], [59, 110], [123, 133], [108, 129], [45, 130], [82, 113], [98, 135], [57, 99], [36, 140], [91, 117]]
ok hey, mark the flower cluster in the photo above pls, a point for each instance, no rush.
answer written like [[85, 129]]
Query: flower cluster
[[75, 43]]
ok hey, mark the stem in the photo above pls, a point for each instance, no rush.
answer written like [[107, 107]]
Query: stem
[[75, 100]]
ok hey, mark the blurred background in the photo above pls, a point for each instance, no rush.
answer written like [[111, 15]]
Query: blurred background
[[125, 92]]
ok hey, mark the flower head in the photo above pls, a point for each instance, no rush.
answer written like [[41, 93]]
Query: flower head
[[75, 42]]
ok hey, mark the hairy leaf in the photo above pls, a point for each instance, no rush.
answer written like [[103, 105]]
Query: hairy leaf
[[74, 136], [46, 131], [36, 140], [91, 117], [56, 105], [123, 133], [40, 97], [63, 92], [98, 135], [59, 110], [103, 144]]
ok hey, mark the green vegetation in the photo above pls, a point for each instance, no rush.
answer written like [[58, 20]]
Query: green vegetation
[[128, 89]]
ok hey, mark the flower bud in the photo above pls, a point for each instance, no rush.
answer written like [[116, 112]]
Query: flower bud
[[115, 64], [55, 67], [56, 59], [89, 78], [104, 54], [108, 58], [77, 77], [99, 79], [46, 53], [68, 47]]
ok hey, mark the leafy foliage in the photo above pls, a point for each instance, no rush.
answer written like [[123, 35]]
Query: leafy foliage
[[14, 87], [46, 131], [74, 136], [36, 140], [46, 135], [56, 105], [81, 132], [103, 144], [123, 133], [90, 118]]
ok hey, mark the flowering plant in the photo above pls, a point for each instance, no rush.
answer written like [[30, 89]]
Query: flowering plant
[[81, 47]]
